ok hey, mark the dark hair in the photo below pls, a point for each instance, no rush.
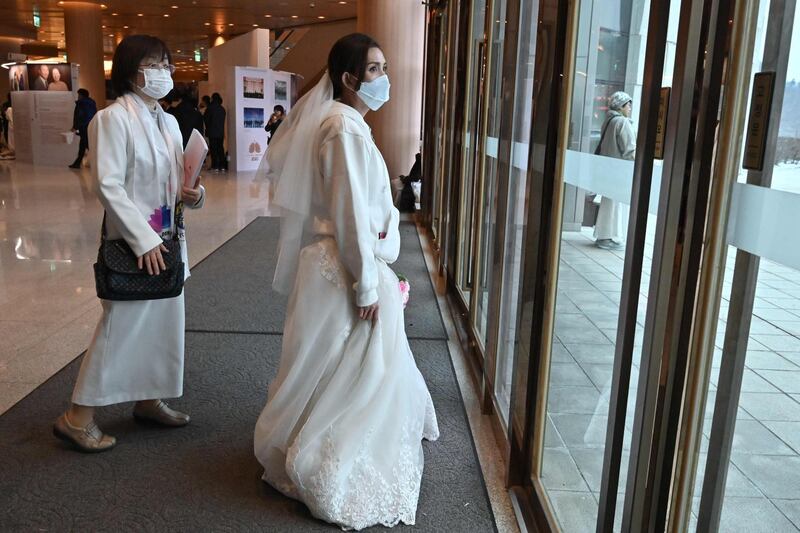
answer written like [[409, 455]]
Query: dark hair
[[130, 53], [216, 98], [349, 54], [206, 99], [279, 108], [83, 92]]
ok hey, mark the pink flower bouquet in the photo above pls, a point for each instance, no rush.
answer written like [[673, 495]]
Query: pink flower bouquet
[[405, 289]]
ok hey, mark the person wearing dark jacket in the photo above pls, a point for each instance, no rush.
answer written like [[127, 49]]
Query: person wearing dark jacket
[[215, 131], [187, 115], [85, 109], [278, 114]]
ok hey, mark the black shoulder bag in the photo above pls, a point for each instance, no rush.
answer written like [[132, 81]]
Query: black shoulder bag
[[117, 275]]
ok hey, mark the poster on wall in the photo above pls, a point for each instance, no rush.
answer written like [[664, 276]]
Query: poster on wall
[[253, 87], [253, 117], [58, 77], [18, 78], [49, 77], [257, 92], [281, 91]]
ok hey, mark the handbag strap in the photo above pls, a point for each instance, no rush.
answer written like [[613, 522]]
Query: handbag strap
[[603, 135]]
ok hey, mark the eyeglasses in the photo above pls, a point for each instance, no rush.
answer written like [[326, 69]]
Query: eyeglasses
[[159, 66]]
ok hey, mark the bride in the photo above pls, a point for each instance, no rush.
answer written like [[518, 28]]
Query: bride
[[346, 414]]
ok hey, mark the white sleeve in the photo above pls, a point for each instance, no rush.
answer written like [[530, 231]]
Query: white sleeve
[[109, 163], [344, 164]]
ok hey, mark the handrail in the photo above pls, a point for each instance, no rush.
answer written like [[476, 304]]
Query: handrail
[[280, 44]]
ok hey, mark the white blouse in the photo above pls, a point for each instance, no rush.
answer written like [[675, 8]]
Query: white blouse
[[353, 202]]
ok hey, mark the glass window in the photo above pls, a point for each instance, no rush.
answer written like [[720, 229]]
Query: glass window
[[515, 217], [472, 129], [489, 151]]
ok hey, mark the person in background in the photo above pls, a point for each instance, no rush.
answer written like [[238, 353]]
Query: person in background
[[204, 101], [40, 83], [85, 109], [137, 352], [278, 114], [187, 115], [57, 84], [215, 131], [616, 140], [4, 118]]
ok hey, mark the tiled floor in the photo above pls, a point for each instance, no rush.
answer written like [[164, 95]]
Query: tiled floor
[[763, 487], [49, 227]]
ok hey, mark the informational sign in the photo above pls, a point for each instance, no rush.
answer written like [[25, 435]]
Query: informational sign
[[257, 91], [758, 123], [41, 120], [661, 123]]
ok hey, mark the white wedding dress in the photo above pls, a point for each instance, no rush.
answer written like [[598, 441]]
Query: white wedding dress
[[346, 414]]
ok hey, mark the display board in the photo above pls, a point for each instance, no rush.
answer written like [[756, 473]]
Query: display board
[[56, 77], [257, 91], [40, 120]]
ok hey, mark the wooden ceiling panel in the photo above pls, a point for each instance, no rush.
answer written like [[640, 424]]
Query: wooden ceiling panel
[[183, 24]]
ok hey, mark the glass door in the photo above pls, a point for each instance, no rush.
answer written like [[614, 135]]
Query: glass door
[[748, 467], [588, 339], [615, 114]]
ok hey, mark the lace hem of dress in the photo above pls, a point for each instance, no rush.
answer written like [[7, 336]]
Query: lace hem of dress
[[366, 498]]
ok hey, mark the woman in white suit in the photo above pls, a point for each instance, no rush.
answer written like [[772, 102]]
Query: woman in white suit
[[138, 347]]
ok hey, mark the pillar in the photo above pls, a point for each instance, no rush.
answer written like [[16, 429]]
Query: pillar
[[399, 27], [84, 37]]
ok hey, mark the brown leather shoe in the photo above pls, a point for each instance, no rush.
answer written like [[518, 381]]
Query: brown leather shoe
[[160, 413], [87, 439]]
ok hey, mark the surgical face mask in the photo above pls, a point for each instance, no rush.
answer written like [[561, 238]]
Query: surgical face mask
[[375, 93], [157, 82]]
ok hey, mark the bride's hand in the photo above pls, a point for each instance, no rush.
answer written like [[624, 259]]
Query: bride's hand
[[369, 312]]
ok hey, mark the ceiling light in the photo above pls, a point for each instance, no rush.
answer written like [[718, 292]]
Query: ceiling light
[[321, 17], [102, 27], [294, 16], [255, 25], [103, 6], [140, 14], [178, 51], [166, 15], [110, 35], [125, 27], [268, 16], [342, 3], [208, 24], [230, 24], [114, 14], [174, 7]]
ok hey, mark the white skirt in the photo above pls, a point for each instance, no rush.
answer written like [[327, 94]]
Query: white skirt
[[136, 353], [345, 416]]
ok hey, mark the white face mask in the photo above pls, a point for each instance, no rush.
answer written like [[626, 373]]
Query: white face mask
[[375, 93], [157, 82]]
